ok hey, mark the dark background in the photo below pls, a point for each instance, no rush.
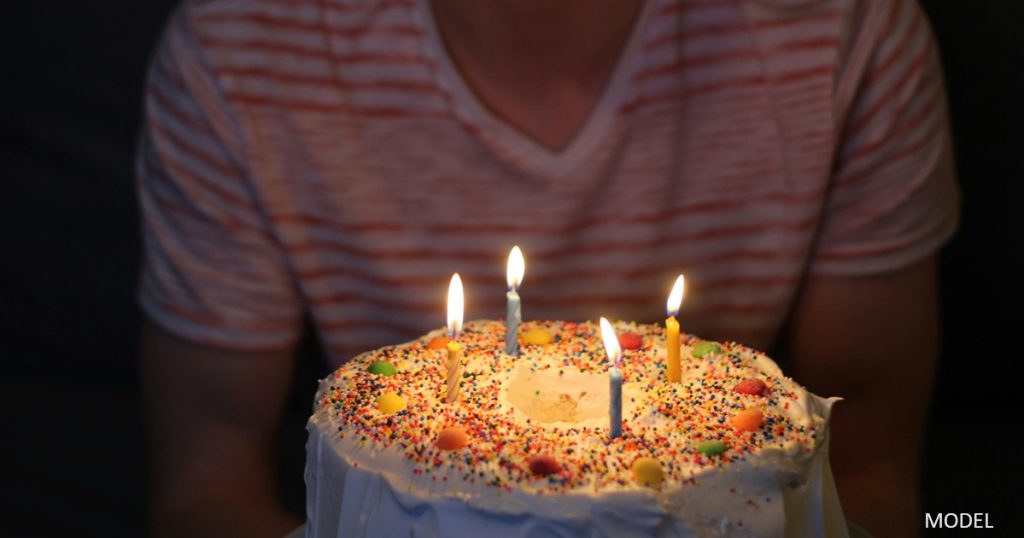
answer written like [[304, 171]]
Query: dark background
[[72, 446]]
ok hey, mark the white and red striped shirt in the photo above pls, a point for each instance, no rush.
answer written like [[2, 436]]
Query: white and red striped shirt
[[324, 157]]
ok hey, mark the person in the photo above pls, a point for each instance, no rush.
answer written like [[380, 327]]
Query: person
[[341, 159]]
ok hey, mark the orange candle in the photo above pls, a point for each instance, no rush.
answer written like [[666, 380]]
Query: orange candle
[[672, 343], [675, 299]]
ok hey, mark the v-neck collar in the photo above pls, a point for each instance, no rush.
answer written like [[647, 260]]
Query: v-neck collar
[[511, 143]]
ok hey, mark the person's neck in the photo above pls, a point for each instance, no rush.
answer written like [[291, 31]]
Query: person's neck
[[538, 64], [533, 38]]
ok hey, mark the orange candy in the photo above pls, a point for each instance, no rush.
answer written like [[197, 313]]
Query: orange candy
[[452, 438], [438, 342], [747, 420]]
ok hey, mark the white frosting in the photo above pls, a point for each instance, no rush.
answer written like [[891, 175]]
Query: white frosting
[[357, 489]]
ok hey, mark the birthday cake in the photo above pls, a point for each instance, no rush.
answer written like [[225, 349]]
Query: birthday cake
[[734, 448]]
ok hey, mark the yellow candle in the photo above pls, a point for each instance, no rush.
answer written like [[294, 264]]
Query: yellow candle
[[454, 376], [672, 343], [675, 300], [456, 304]]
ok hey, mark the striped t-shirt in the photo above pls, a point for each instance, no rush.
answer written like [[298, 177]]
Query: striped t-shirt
[[325, 158]]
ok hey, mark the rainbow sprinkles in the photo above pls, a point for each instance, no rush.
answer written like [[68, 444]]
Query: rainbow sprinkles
[[538, 422]]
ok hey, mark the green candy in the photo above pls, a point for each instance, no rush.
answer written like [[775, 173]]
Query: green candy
[[382, 368], [710, 448], [705, 348]]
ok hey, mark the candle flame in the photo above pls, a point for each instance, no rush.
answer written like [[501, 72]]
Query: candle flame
[[611, 343], [455, 306], [516, 268], [675, 299]]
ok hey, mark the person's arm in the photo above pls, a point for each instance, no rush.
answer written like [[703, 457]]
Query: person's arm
[[214, 279], [213, 417], [872, 340]]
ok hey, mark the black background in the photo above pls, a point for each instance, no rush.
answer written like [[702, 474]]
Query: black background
[[72, 447]]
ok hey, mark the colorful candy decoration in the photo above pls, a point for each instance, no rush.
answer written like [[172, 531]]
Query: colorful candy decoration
[[706, 348], [536, 337], [711, 448], [544, 464], [753, 387], [390, 402], [630, 341], [452, 438], [381, 368], [648, 472], [709, 406], [747, 420]]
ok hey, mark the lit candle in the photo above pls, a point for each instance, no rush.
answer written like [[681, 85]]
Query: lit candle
[[513, 311], [455, 307], [675, 299], [611, 347]]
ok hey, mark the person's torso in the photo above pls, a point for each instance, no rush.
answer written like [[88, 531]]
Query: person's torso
[[708, 154]]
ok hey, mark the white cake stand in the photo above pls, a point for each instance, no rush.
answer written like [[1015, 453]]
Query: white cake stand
[[855, 532]]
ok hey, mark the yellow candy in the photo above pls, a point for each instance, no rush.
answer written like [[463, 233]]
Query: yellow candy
[[389, 403], [536, 337], [648, 472]]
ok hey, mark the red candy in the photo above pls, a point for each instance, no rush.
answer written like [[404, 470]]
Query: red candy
[[544, 465], [630, 341], [753, 387]]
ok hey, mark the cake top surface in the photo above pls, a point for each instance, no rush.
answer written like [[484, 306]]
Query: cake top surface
[[539, 422]]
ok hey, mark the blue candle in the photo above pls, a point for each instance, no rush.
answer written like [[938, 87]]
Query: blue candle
[[615, 401], [614, 352], [513, 311], [513, 317]]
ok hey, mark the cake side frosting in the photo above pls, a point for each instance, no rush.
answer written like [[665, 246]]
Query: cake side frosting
[[717, 474]]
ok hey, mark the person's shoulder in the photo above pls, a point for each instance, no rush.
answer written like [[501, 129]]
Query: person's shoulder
[[851, 11], [849, 21], [249, 17], [259, 20], [202, 13], [794, 28], [790, 11], [224, 8], [221, 30], [795, 7]]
